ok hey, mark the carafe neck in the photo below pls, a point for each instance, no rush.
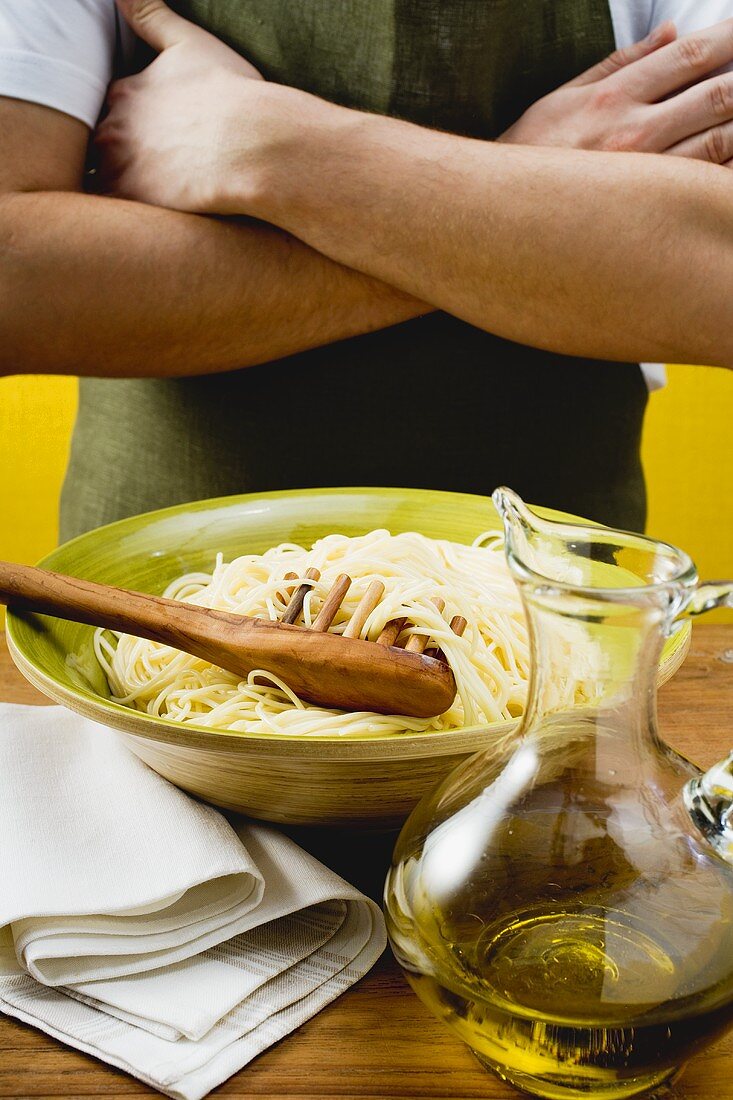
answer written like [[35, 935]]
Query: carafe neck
[[597, 660]]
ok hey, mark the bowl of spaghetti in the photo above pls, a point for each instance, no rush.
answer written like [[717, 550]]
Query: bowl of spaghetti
[[251, 744]]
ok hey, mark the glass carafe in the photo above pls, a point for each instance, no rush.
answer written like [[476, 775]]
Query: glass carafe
[[561, 900]]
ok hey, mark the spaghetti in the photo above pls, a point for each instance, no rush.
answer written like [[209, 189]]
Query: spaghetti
[[490, 662]]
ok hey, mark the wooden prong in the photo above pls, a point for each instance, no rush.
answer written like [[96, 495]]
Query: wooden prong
[[391, 632], [418, 642], [289, 577], [296, 600], [285, 591], [458, 625], [332, 603], [366, 605]]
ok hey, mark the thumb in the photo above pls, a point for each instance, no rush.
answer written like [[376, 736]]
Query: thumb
[[663, 35], [155, 23]]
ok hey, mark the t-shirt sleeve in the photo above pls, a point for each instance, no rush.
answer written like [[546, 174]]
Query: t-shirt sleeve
[[633, 19], [58, 53], [691, 15]]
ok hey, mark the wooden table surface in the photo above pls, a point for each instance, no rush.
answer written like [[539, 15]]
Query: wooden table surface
[[377, 1041]]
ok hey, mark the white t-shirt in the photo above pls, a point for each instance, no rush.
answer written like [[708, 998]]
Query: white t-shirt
[[60, 53]]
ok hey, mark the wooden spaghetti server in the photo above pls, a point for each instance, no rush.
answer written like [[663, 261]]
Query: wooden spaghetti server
[[331, 670]]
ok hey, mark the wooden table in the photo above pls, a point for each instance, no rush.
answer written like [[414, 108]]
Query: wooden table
[[377, 1040]]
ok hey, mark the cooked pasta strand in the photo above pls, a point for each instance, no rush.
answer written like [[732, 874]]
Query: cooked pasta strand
[[490, 661]]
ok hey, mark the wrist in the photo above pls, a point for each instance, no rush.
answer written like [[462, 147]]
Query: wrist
[[281, 150]]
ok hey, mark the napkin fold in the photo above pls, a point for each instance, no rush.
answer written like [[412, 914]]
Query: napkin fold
[[139, 925]]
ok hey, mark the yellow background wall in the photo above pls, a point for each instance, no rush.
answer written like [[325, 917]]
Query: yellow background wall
[[688, 453]]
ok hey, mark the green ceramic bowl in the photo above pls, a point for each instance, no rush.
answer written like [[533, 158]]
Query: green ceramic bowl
[[287, 779]]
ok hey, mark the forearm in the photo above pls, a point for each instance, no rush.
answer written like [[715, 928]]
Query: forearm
[[612, 255], [99, 286]]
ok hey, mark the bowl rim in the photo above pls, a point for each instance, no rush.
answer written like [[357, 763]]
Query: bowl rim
[[324, 746]]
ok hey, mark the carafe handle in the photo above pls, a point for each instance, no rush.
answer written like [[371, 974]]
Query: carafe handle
[[706, 597], [709, 596]]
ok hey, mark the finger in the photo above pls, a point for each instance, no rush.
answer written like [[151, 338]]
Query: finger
[[120, 88], [684, 62], [109, 170], [701, 108], [620, 59], [107, 132], [714, 146], [155, 23]]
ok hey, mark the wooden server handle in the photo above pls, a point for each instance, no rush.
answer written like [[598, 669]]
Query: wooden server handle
[[27, 588], [322, 668]]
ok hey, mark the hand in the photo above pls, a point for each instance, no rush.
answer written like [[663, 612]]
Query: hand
[[167, 139], [655, 97]]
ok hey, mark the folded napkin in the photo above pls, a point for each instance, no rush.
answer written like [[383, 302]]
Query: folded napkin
[[139, 925]]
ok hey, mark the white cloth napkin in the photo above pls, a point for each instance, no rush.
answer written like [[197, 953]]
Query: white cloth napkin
[[140, 926]]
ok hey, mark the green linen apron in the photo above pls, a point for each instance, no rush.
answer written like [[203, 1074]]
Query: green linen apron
[[463, 410]]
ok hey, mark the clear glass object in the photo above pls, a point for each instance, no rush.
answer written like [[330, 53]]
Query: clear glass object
[[563, 900]]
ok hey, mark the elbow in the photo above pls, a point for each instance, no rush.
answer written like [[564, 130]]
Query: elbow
[[11, 305], [694, 278], [10, 361], [24, 344], [15, 346]]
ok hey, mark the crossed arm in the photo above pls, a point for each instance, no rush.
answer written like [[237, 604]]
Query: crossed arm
[[612, 256], [99, 286], [551, 247]]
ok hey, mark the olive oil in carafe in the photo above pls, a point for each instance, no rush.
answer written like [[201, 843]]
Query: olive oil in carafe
[[584, 952], [578, 1001], [564, 898]]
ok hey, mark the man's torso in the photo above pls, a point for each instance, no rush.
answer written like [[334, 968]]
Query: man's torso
[[432, 402]]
